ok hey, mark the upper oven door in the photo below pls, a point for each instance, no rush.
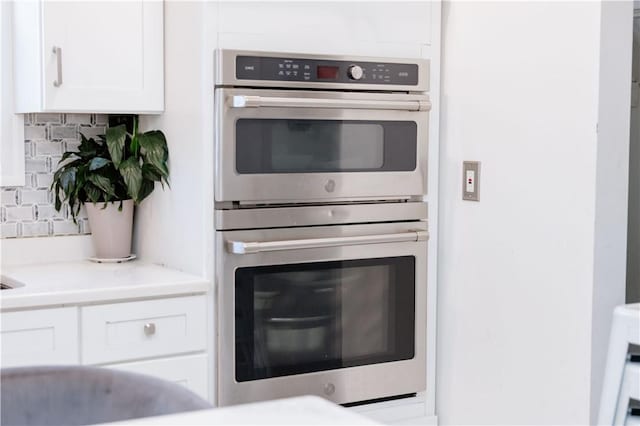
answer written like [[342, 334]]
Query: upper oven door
[[305, 146]]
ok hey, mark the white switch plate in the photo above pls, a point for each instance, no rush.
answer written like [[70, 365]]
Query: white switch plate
[[471, 180]]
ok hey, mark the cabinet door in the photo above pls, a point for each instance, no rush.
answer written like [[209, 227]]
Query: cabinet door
[[39, 337], [188, 371], [103, 56]]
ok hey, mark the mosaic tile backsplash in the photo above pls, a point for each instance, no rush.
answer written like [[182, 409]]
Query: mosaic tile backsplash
[[28, 211]]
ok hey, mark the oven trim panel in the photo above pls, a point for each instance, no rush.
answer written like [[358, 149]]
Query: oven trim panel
[[350, 384]]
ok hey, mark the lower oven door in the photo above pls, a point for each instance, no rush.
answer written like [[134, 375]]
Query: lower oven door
[[336, 311]]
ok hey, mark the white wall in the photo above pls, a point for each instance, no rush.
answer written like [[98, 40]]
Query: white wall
[[612, 174], [173, 227], [520, 92], [633, 261]]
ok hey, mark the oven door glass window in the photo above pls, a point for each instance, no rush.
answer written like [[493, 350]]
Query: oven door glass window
[[316, 146], [294, 319]]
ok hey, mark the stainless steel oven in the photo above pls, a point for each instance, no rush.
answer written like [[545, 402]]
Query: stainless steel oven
[[345, 139], [321, 231], [336, 311]]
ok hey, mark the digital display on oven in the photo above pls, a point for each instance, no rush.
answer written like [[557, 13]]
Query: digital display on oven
[[326, 72]]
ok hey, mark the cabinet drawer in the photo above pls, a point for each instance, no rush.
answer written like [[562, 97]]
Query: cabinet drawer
[[133, 330], [39, 337], [189, 371]]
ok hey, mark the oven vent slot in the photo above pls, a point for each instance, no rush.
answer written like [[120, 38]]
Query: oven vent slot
[[276, 204], [376, 400]]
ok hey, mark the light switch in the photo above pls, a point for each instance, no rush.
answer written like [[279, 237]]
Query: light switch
[[471, 180]]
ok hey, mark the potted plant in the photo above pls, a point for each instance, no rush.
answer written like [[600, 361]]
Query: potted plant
[[108, 177]]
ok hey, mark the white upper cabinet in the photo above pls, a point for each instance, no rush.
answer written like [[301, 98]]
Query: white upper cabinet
[[386, 28], [97, 56]]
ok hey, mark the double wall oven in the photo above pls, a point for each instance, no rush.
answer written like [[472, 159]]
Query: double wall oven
[[321, 231]]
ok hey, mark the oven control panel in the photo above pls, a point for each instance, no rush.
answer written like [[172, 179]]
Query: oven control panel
[[325, 71]]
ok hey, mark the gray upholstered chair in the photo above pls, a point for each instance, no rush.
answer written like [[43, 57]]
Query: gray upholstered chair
[[86, 395]]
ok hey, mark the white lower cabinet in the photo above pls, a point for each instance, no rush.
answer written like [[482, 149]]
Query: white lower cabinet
[[39, 337], [188, 371], [165, 338]]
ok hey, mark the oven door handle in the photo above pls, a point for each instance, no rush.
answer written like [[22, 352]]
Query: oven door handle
[[249, 247], [244, 101]]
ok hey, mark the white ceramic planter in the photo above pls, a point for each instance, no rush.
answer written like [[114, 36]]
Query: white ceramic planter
[[111, 229]]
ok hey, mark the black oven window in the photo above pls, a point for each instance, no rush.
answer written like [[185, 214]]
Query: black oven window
[[294, 319], [316, 146]]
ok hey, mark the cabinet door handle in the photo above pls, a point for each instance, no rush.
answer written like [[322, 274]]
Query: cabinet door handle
[[58, 52], [149, 328]]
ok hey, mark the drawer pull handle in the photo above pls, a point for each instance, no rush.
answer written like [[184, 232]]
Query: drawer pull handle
[[149, 329]]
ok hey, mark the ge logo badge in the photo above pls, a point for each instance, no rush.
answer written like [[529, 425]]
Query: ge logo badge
[[329, 389], [330, 185]]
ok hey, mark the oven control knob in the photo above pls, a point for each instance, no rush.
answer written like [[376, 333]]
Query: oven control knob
[[355, 72]]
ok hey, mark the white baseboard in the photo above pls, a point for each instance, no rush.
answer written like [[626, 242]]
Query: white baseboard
[[426, 421], [398, 411]]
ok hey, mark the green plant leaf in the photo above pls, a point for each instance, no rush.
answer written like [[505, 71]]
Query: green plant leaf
[[55, 187], [153, 148], [134, 148], [93, 192], [98, 162], [103, 183], [132, 174], [145, 190], [115, 138], [88, 147], [78, 192], [150, 172], [68, 180], [72, 163], [67, 155]]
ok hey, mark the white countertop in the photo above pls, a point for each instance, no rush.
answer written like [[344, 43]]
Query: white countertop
[[303, 410], [87, 282]]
